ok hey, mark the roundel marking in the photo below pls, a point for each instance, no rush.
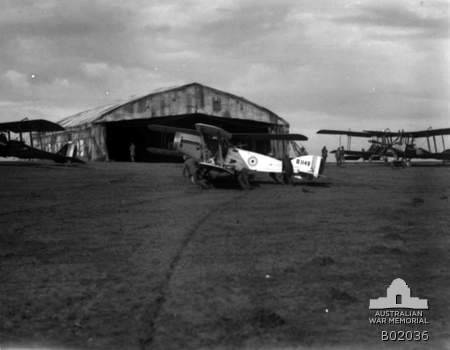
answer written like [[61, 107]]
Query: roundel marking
[[252, 161]]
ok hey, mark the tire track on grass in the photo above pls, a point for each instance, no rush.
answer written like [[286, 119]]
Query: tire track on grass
[[151, 315]]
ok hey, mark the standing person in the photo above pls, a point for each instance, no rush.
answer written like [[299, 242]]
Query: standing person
[[324, 153], [342, 155], [324, 159], [337, 154], [190, 168], [132, 150], [3, 139]]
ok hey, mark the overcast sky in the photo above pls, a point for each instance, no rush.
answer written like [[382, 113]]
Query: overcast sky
[[319, 64]]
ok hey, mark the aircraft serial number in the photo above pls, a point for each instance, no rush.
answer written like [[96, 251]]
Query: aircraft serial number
[[405, 336]]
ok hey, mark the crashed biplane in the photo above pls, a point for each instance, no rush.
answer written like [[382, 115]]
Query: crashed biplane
[[400, 146], [19, 149], [216, 155]]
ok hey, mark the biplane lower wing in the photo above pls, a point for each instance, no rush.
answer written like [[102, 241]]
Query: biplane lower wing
[[445, 155], [355, 155], [424, 154], [344, 132]]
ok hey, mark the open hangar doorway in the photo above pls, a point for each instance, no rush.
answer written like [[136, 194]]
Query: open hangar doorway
[[120, 135]]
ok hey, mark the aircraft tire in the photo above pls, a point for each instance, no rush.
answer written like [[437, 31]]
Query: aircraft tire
[[201, 174], [202, 179], [242, 178], [274, 177]]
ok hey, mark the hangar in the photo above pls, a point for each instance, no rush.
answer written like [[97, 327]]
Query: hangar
[[105, 133]]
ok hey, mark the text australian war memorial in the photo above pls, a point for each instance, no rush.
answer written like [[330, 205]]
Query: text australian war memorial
[[105, 133]]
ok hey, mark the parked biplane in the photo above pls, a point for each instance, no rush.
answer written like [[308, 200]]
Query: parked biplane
[[19, 149], [401, 145], [216, 155]]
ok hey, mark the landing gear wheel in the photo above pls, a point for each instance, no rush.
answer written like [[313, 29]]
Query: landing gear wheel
[[404, 164], [242, 179], [202, 179], [275, 178], [288, 171]]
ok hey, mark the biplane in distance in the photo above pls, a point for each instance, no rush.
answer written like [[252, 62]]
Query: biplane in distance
[[401, 145], [19, 149], [216, 155]]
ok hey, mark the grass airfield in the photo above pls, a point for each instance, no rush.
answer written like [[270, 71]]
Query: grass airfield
[[133, 256]]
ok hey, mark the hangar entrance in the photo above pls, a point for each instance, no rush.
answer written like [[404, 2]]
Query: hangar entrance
[[120, 135]]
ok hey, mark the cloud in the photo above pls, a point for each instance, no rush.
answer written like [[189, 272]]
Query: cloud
[[397, 19], [15, 80], [345, 64]]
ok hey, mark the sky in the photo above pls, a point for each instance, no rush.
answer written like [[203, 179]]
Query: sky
[[356, 65]]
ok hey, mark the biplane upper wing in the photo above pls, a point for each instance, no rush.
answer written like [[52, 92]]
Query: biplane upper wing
[[344, 132], [414, 134], [171, 129], [212, 130], [40, 125], [384, 133], [427, 133], [261, 136]]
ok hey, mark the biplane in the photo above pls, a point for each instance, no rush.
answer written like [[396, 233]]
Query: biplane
[[401, 145], [216, 155], [19, 149]]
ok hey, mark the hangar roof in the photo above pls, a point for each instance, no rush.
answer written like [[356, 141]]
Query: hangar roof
[[88, 116], [118, 110]]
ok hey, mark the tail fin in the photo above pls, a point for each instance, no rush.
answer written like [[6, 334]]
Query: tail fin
[[68, 150], [67, 153], [308, 167], [63, 150]]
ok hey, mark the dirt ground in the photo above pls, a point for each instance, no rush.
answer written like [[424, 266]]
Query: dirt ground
[[132, 256]]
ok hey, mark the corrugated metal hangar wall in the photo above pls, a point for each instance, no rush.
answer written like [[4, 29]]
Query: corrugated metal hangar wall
[[105, 133]]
